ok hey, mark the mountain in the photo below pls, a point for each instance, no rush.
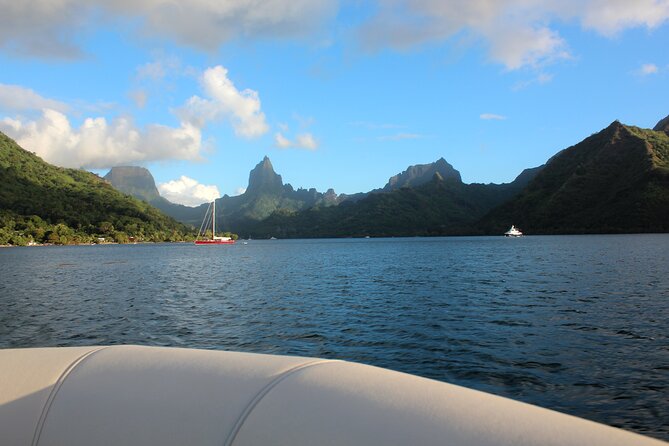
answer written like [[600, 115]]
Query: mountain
[[135, 181], [440, 206], [662, 126], [265, 195], [615, 181], [424, 199], [45, 203], [263, 180], [422, 173], [139, 183]]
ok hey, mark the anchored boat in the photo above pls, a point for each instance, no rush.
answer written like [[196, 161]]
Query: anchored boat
[[214, 240], [513, 232]]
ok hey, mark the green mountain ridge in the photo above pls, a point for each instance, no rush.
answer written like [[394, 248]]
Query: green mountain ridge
[[438, 207], [615, 181], [43, 203], [265, 194], [662, 126], [420, 174]]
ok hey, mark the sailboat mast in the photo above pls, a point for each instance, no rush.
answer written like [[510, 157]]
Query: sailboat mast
[[213, 221]]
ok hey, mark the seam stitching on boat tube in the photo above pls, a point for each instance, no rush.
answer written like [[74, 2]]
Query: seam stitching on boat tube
[[52, 396], [264, 391]]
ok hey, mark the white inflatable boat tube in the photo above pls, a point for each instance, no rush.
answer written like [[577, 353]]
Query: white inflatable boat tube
[[132, 395]]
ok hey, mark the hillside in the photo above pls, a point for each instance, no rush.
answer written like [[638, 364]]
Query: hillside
[[44, 203], [662, 126], [265, 194], [438, 207], [615, 181], [420, 174], [138, 182]]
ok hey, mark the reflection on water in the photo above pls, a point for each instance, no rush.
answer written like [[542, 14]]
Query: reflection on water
[[577, 324]]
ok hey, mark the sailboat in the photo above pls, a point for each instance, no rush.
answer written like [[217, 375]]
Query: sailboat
[[205, 225]]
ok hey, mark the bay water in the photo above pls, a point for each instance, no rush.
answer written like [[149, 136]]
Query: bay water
[[579, 324]]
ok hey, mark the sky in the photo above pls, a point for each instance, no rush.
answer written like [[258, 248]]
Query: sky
[[338, 94]]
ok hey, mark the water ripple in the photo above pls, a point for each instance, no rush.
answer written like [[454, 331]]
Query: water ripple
[[577, 324]]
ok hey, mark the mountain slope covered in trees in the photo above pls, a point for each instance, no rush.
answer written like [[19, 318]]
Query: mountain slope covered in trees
[[42, 203], [438, 207], [615, 181]]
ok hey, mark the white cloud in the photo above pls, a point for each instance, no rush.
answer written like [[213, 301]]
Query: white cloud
[[98, 143], [225, 101], [188, 191], [306, 141], [17, 98], [240, 190], [281, 141], [492, 116], [301, 141], [517, 33], [45, 28], [648, 69], [610, 17]]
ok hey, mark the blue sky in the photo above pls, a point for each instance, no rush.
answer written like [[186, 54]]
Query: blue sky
[[339, 94]]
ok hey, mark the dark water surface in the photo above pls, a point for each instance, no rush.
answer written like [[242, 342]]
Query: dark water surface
[[579, 324]]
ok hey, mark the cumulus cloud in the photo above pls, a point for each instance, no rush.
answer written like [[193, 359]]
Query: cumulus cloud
[[17, 98], [46, 28], [517, 33], [99, 143], [102, 143], [301, 141], [188, 191], [648, 69], [610, 17], [492, 116], [225, 101], [240, 190]]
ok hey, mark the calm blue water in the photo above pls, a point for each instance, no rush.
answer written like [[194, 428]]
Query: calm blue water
[[579, 324]]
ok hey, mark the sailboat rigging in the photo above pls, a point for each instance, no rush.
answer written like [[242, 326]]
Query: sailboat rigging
[[214, 240]]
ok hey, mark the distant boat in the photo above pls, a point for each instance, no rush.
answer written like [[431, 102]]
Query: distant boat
[[513, 232], [214, 240]]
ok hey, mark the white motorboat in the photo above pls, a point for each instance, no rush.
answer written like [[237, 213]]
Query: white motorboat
[[513, 232]]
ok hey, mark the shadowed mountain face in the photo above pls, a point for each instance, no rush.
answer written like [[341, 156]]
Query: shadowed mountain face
[[135, 181], [422, 173], [436, 207], [263, 179], [424, 199], [138, 182], [264, 195], [662, 126], [614, 181]]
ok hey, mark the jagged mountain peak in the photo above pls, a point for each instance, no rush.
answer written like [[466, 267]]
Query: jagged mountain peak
[[422, 173], [662, 126], [133, 180], [263, 179]]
